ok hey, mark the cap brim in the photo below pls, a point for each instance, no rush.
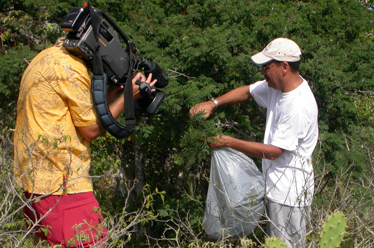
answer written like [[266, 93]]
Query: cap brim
[[260, 59]]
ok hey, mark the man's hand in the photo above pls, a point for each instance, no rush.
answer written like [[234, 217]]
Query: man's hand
[[218, 142], [140, 77], [205, 108]]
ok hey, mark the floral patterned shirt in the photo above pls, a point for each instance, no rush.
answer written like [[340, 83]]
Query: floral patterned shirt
[[50, 155]]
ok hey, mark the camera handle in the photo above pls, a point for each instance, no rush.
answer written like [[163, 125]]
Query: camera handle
[[151, 100], [144, 88], [99, 88]]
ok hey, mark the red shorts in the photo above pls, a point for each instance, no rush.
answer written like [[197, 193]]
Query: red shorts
[[73, 221]]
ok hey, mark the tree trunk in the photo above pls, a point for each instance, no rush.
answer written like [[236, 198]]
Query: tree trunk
[[139, 180]]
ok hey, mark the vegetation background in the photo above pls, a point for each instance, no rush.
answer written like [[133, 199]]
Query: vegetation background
[[152, 186]]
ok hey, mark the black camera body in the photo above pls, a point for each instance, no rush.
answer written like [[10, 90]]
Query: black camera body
[[81, 41]]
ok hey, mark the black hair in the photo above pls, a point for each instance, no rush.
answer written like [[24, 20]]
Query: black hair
[[295, 66]]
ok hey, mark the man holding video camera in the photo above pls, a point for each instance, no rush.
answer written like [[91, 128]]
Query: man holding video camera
[[56, 121], [290, 137]]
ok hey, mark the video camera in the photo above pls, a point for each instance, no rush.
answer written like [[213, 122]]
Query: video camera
[[94, 37]]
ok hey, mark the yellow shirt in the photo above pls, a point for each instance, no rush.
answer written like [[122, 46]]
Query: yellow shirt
[[50, 155]]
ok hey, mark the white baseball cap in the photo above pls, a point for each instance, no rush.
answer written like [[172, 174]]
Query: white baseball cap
[[280, 49]]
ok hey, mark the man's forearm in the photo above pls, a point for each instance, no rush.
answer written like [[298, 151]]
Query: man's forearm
[[90, 133], [235, 96], [253, 149], [117, 107], [114, 92]]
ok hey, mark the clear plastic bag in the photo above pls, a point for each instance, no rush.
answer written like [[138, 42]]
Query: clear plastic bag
[[234, 202]]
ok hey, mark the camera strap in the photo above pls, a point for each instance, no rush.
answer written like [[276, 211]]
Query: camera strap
[[99, 88]]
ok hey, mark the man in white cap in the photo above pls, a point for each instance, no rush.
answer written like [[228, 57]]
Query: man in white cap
[[290, 137]]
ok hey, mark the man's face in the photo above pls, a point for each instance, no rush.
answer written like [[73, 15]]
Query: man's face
[[273, 74]]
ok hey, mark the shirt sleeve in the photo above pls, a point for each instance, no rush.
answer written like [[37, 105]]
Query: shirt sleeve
[[77, 91], [260, 93]]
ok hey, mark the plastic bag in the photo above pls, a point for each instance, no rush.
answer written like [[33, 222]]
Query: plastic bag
[[234, 202]]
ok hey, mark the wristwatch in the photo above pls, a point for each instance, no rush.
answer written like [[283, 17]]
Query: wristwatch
[[215, 101]]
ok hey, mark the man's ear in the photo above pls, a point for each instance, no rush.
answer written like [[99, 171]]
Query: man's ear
[[285, 68]]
